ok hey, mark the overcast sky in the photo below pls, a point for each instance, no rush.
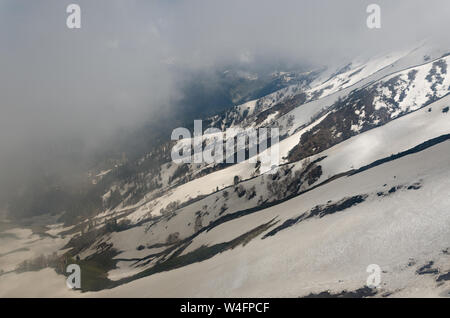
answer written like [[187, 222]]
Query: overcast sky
[[58, 84]]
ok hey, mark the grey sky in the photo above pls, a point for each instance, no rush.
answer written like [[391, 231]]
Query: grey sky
[[58, 84]]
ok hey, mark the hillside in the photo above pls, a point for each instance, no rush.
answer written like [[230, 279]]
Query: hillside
[[363, 179]]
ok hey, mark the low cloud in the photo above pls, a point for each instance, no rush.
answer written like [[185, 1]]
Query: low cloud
[[65, 89]]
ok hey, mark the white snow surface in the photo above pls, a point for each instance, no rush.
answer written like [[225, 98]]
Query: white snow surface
[[333, 252]]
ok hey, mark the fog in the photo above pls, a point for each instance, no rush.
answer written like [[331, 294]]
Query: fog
[[65, 91]]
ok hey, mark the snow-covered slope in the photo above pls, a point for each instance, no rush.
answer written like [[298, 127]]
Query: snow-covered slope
[[364, 154], [388, 97], [400, 231], [357, 152]]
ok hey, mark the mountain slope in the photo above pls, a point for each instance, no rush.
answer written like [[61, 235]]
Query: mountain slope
[[363, 179]]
